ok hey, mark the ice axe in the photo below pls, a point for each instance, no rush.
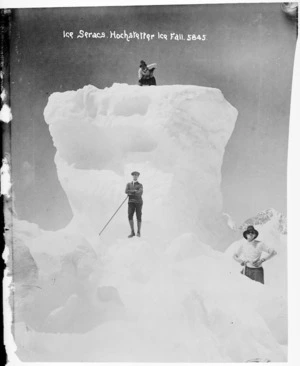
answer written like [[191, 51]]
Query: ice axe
[[113, 215]]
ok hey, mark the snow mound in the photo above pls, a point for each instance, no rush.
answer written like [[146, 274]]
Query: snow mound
[[146, 305]]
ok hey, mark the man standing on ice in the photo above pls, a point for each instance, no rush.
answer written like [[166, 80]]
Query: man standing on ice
[[134, 190], [249, 255]]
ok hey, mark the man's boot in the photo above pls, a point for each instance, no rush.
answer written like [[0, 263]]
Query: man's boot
[[139, 224], [132, 229]]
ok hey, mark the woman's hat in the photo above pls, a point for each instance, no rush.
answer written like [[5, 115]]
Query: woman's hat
[[135, 173], [250, 229]]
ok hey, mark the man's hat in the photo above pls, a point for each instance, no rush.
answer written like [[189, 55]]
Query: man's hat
[[250, 229], [135, 173]]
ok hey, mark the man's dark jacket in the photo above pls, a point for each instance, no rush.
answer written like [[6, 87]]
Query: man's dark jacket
[[134, 191]]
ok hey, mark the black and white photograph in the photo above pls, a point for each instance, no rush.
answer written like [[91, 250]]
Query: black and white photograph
[[146, 155]]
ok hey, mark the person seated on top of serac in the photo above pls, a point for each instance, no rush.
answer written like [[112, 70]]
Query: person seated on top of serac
[[145, 74]]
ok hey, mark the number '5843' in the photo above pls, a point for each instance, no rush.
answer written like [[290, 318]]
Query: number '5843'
[[196, 37]]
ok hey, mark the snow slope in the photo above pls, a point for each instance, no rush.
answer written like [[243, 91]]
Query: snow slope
[[169, 296]]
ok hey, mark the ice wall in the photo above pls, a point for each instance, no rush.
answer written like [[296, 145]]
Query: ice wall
[[174, 135]]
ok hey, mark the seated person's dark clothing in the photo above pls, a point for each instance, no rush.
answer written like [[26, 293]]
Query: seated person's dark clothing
[[145, 75]]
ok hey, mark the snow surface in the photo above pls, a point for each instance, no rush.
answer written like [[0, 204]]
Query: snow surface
[[171, 295]]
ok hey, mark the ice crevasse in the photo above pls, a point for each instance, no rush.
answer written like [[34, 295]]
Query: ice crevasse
[[168, 296]]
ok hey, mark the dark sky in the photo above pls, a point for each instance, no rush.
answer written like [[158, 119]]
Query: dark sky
[[248, 55]]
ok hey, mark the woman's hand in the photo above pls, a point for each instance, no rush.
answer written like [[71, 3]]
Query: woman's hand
[[258, 263]]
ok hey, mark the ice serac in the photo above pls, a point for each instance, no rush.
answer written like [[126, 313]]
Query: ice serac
[[167, 296], [174, 135]]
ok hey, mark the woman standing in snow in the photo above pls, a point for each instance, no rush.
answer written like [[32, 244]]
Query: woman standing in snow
[[249, 255], [145, 74]]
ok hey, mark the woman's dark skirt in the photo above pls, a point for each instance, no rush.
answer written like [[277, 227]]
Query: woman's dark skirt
[[150, 81], [256, 274]]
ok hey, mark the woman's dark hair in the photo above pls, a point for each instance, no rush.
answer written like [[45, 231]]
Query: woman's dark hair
[[142, 63]]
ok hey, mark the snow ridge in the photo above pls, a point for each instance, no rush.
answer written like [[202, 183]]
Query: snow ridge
[[268, 216]]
